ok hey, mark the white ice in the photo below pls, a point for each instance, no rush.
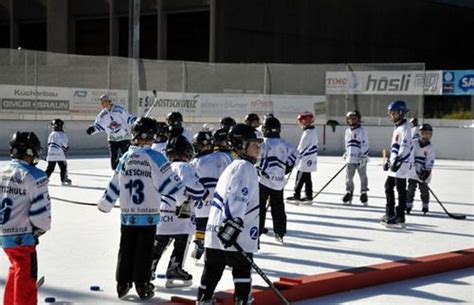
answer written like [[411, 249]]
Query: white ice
[[81, 249]]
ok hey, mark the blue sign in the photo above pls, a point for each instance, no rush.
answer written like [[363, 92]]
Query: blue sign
[[458, 82]]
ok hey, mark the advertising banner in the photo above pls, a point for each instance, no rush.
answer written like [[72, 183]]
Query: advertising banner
[[384, 82], [458, 82]]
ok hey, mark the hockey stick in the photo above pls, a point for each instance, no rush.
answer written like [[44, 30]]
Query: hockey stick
[[78, 202], [40, 282], [334, 177], [261, 273], [454, 216], [154, 103]]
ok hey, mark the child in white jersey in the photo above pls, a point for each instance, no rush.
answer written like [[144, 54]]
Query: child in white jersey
[[57, 148]]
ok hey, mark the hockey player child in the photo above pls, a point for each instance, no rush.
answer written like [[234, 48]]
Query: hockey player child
[[356, 157], [175, 213], [116, 122], [233, 218], [253, 120], [142, 177], [398, 165], [209, 166], [161, 137], [57, 148], [276, 160], [421, 173], [25, 208], [307, 161], [175, 124]]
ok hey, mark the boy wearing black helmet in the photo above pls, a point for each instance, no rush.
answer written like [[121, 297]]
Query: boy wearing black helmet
[[356, 157], [174, 120], [25, 214], [142, 176], [398, 165], [57, 148], [233, 218], [425, 155]]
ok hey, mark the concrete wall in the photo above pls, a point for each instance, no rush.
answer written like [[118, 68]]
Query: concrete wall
[[450, 142]]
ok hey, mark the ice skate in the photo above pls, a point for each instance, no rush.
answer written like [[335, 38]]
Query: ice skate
[[295, 199], [177, 278], [145, 291], [347, 199], [198, 250], [425, 209], [279, 239], [308, 200], [123, 289], [208, 302], [364, 199], [66, 182], [395, 223]]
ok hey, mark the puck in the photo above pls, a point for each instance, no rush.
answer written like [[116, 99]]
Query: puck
[[95, 288], [161, 276], [50, 300]]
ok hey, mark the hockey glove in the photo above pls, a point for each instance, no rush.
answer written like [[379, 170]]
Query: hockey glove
[[396, 165], [229, 231], [386, 165], [288, 169], [90, 130], [184, 210], [104, 206], [363, 161], [424, 175]]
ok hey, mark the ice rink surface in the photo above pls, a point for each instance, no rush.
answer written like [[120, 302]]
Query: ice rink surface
[[81, 249]]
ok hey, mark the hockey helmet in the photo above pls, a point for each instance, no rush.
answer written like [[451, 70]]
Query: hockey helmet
[[104, 97], [220, 140], [414, 122], [162, 130], [353, 114], [144, 128], [25, 143], [174, 119], [227, 122], [180, 146], [201, 139], [240, 136], [57, 124], [271, 125], [250, 118], [426, 127], [398, 106], [306, 118]]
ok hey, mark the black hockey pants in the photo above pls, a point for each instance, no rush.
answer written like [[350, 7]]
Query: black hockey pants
[[62, 168], [214, 265], [304, 178], [401, 185], [277, 205], [161, 244], [117, 149]]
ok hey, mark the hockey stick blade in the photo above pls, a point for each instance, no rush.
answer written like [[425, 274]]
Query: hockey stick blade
[[451, 215]]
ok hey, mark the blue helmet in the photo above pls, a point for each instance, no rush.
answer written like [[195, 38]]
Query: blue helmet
[[399, 106]]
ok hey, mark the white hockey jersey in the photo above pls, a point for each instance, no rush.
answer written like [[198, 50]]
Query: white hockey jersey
[[193, 190], [401, 150], [236, 195], [308, 149], [24, 204], [116, 123], [356, 143], [141, 178], [276, 154], [425, 156], [414, 132], [57, 146], [159, 147], [209, 168]]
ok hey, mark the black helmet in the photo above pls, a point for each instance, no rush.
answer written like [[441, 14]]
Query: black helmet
[[201, 139], [271, 125], [179, 145], [227, 122], [426, 127], [240, 135], [57, 124], [144, 128], [174, 119], [251, 117], [220, 140], [25, 143], [162, 130]]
